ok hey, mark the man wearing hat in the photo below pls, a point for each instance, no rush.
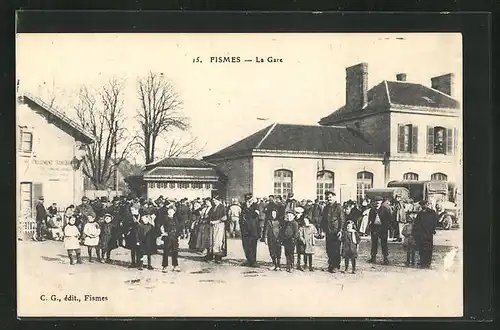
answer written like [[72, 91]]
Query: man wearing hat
[[424, 229], [332, 223], [40, 218], [249, 226], [379, 220]]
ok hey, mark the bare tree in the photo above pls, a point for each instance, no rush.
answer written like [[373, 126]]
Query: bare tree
[[101, 113], [159, 112], [179, 147]]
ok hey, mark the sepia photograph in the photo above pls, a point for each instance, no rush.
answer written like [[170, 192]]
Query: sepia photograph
[[239, 175]]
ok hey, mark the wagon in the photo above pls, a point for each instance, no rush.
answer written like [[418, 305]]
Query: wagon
[[388, 193]]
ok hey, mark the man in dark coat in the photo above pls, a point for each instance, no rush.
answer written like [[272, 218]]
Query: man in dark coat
[[332, 223], [270, 207], [280, 209], [40, 218], [249, 225], [183, 215], [379, 220], [424, 229], [82, 211]]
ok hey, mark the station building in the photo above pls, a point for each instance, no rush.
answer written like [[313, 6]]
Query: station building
[[396, 130]]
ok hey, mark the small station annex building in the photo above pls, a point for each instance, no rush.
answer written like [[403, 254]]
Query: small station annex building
[[50, 149]]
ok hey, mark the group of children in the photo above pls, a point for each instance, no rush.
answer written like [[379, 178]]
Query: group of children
[[298, 234], [98, 238], [141, 237]]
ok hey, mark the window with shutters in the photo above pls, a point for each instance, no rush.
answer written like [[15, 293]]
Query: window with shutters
[[408, 138], [410, 176], [283, 182], [364, 181], [439, 177], [324, 182], [26, 140], [441, 140]]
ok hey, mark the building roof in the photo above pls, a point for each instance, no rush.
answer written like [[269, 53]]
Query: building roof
[[393, 93], [179, 162], [302, 138], [181, 174], [64, 122]]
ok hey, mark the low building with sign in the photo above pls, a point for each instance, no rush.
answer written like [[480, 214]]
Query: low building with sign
[[177, 178], [50, 148]]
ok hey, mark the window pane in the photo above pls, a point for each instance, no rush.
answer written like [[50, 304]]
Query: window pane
[[439, 140]]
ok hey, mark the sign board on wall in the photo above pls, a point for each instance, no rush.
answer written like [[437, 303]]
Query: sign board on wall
[[59, 170]]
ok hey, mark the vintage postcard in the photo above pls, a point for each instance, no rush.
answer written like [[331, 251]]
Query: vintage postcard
[[239, 175]]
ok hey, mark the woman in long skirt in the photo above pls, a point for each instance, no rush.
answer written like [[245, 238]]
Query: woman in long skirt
[[195, 224], [218, 239], [203, 235]]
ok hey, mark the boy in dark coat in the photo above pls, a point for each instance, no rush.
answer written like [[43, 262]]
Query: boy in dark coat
[[131, 238], [169, 231], [272, 230], [288, 238], [146, 240], [107, 239]]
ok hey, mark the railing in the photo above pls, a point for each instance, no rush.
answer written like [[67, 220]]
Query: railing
[[27, 225]]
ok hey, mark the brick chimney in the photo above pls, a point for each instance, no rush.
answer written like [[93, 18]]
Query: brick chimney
[[357, 86], [444, 83], [401, 77]]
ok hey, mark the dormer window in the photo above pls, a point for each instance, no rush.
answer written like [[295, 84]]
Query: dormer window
[[428, 99]]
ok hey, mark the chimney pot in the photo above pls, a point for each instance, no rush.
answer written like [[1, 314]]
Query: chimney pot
[[401, 77]]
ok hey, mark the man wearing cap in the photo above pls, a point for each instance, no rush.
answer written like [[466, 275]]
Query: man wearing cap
[[291, 203], [399, 218], [234, 214], [82, 211], [424, 229], [40, 218], [379, 220], [249, 226], [332, 223]]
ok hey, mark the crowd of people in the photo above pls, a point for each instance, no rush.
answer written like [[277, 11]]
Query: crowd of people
[[144, 226]]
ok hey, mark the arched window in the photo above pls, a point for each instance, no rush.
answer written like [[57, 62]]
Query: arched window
[[325, 180], [439, 177], [283, 180], [410, 176], [364, 181]]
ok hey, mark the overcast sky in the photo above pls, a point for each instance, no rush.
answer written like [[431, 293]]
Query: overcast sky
[[223, 101]]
